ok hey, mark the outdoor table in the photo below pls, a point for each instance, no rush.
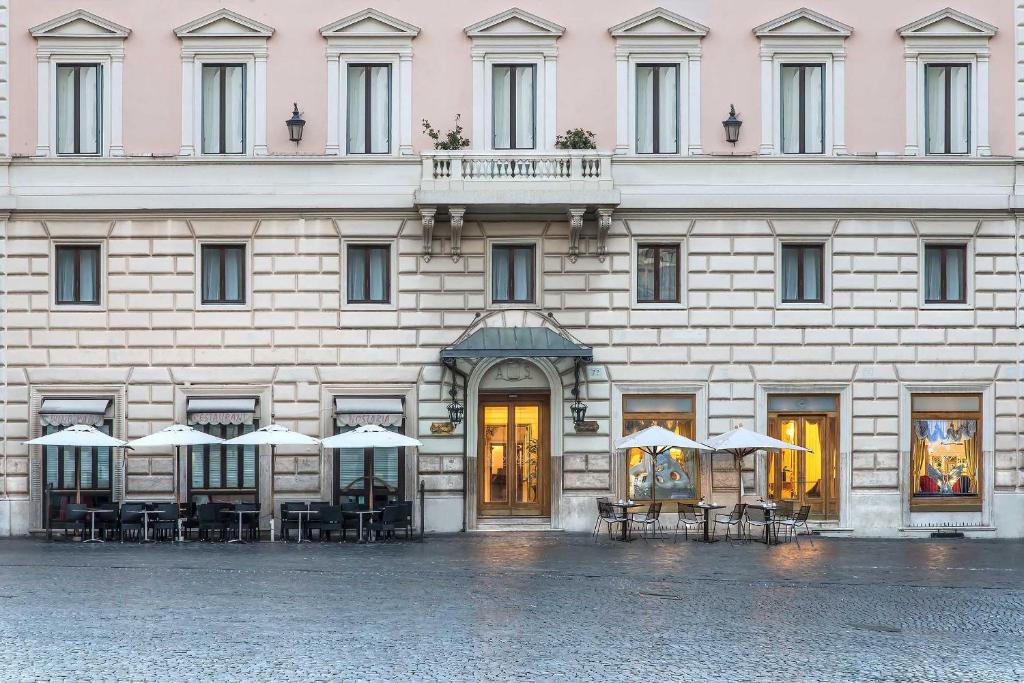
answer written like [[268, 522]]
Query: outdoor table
[[145, 523], [250, 512], [92, 524], [769, 514], [626, 536], [707, 508], [361, 513], [295, 512]]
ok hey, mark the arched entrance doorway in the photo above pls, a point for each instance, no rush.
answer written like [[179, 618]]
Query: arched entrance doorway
[[514, 444]]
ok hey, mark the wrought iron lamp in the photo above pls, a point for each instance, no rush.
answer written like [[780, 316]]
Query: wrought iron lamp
[[732, 126], [456, 411], [578, 408], [295, 125]]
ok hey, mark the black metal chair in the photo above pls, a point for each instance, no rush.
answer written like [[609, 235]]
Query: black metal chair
[[349, 520], [209, 518], [606, 514], [165, 524], [131, 521], [108, 524], [793, 524], [758, 518], [404, 522], [650, 521], [331, 519], [688, 518], [384, 526], [313, 521], [190, 516], [74, 520], [733, 519], [250, 523], [290, 520]]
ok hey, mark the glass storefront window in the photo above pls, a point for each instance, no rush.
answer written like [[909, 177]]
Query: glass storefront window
[[945, 457], [677, 472]]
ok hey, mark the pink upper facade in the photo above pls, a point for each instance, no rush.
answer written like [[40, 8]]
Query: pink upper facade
[[442, 78]]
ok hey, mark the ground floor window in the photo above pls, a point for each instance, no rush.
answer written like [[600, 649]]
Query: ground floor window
[[218, 468], [945, 451], [370, 476], [77, 474], [676, 472]]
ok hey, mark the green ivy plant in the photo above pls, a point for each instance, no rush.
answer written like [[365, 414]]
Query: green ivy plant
[[452, 140], [576, 138]]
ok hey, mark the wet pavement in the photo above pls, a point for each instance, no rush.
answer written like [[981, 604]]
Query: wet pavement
[[500, 607]]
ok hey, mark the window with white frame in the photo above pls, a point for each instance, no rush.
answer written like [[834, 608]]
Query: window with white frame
[[224, 85], [947, 105], [514, 81], [513, 273], [657, 108], [369, 108], [802, 108], [803, 60], [369, 84], [223, 108], [79, 78], [946, 57], [658, 58]]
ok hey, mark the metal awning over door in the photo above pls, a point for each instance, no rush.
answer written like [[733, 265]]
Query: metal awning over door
[[517, 342]]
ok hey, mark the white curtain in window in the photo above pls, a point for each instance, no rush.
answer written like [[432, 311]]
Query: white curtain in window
[[211, 110], [669, 274], [378, 274], [644, 109], [812, 267], [380, 109], [89, 129], [501, 87], [813, 112], [933, 275], [790, 110], [356, 110], [87, 288], [668, 106], [521, 273], [234, 109], [524, 107], [356, 275], [935, 109], [66, 275], [233, 274], [790, 275], [65, 110], [211, 275], [954, 274], [645, 274], [499, 274], [959, 99]]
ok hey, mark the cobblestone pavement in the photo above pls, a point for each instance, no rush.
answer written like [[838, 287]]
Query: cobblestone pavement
[[513, 607]]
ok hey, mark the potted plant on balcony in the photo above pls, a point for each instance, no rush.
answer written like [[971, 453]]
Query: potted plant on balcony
[[576, 138], [450, 141]]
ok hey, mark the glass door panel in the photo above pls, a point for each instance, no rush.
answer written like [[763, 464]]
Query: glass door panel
[[806, 478], [527, 449], [512, 458], [811, 479], [788, 473], [495, 462]]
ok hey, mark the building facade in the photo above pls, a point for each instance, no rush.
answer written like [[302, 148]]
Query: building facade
[[844, 273]]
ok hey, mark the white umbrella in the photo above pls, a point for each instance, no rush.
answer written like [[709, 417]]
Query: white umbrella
[[370, 436], [654, 441], [78, 436], [176, 435], [742, 442], [273, 435]]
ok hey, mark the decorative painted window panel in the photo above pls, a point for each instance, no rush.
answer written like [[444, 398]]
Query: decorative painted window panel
[[677, 471]]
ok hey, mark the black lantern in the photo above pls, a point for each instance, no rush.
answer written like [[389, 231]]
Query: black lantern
[[455, 409], [295, 125], [732, 126], [578, 408]]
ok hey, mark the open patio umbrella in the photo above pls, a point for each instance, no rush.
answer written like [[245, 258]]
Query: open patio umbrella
[[178, 436], [272, 435], [77, 436], [742, 442], [654, 441]]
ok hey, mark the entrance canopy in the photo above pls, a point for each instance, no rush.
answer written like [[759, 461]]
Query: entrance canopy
[[517, 342]]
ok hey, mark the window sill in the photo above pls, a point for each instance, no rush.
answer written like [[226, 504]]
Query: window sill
[[658, 306], [78, 308], [803, 306], [223, 307], [946, 307], [513, 306], [354, 306]]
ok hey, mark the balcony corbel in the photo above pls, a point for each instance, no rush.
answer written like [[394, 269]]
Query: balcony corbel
[[457, 213], [575, 229], [427, 218], [604, 226]]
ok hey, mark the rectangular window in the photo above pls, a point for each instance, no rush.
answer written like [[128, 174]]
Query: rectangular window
[[802, 273], [79, 101], [369, 274], [657, 273], [677, 472], [78, 274], [945, 273], [657, 109], [514, 106], [223, 273], [219, 467], [369, 109], [223, 109], [512, 274], [68, 468], [803, 108], [947, 108], [353, 464], [945, 458]]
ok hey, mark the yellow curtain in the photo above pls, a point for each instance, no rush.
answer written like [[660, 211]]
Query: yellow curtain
[[918, 460], [971, 450]]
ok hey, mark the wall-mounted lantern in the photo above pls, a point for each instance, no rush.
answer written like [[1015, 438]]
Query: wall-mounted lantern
[[732, 126], [295, 125], [578, 408]]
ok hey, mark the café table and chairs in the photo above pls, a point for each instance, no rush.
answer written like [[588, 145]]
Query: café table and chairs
[[688, 518], [92, 512], [707, 508], [363, 526], [733, 520], [624, 509], [242, 510], [762, 516], [300, 514]]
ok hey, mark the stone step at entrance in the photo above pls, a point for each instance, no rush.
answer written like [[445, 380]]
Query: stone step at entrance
[[518, 523]]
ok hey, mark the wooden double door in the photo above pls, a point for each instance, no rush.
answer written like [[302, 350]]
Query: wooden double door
[[513, 456], [806, 478]]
